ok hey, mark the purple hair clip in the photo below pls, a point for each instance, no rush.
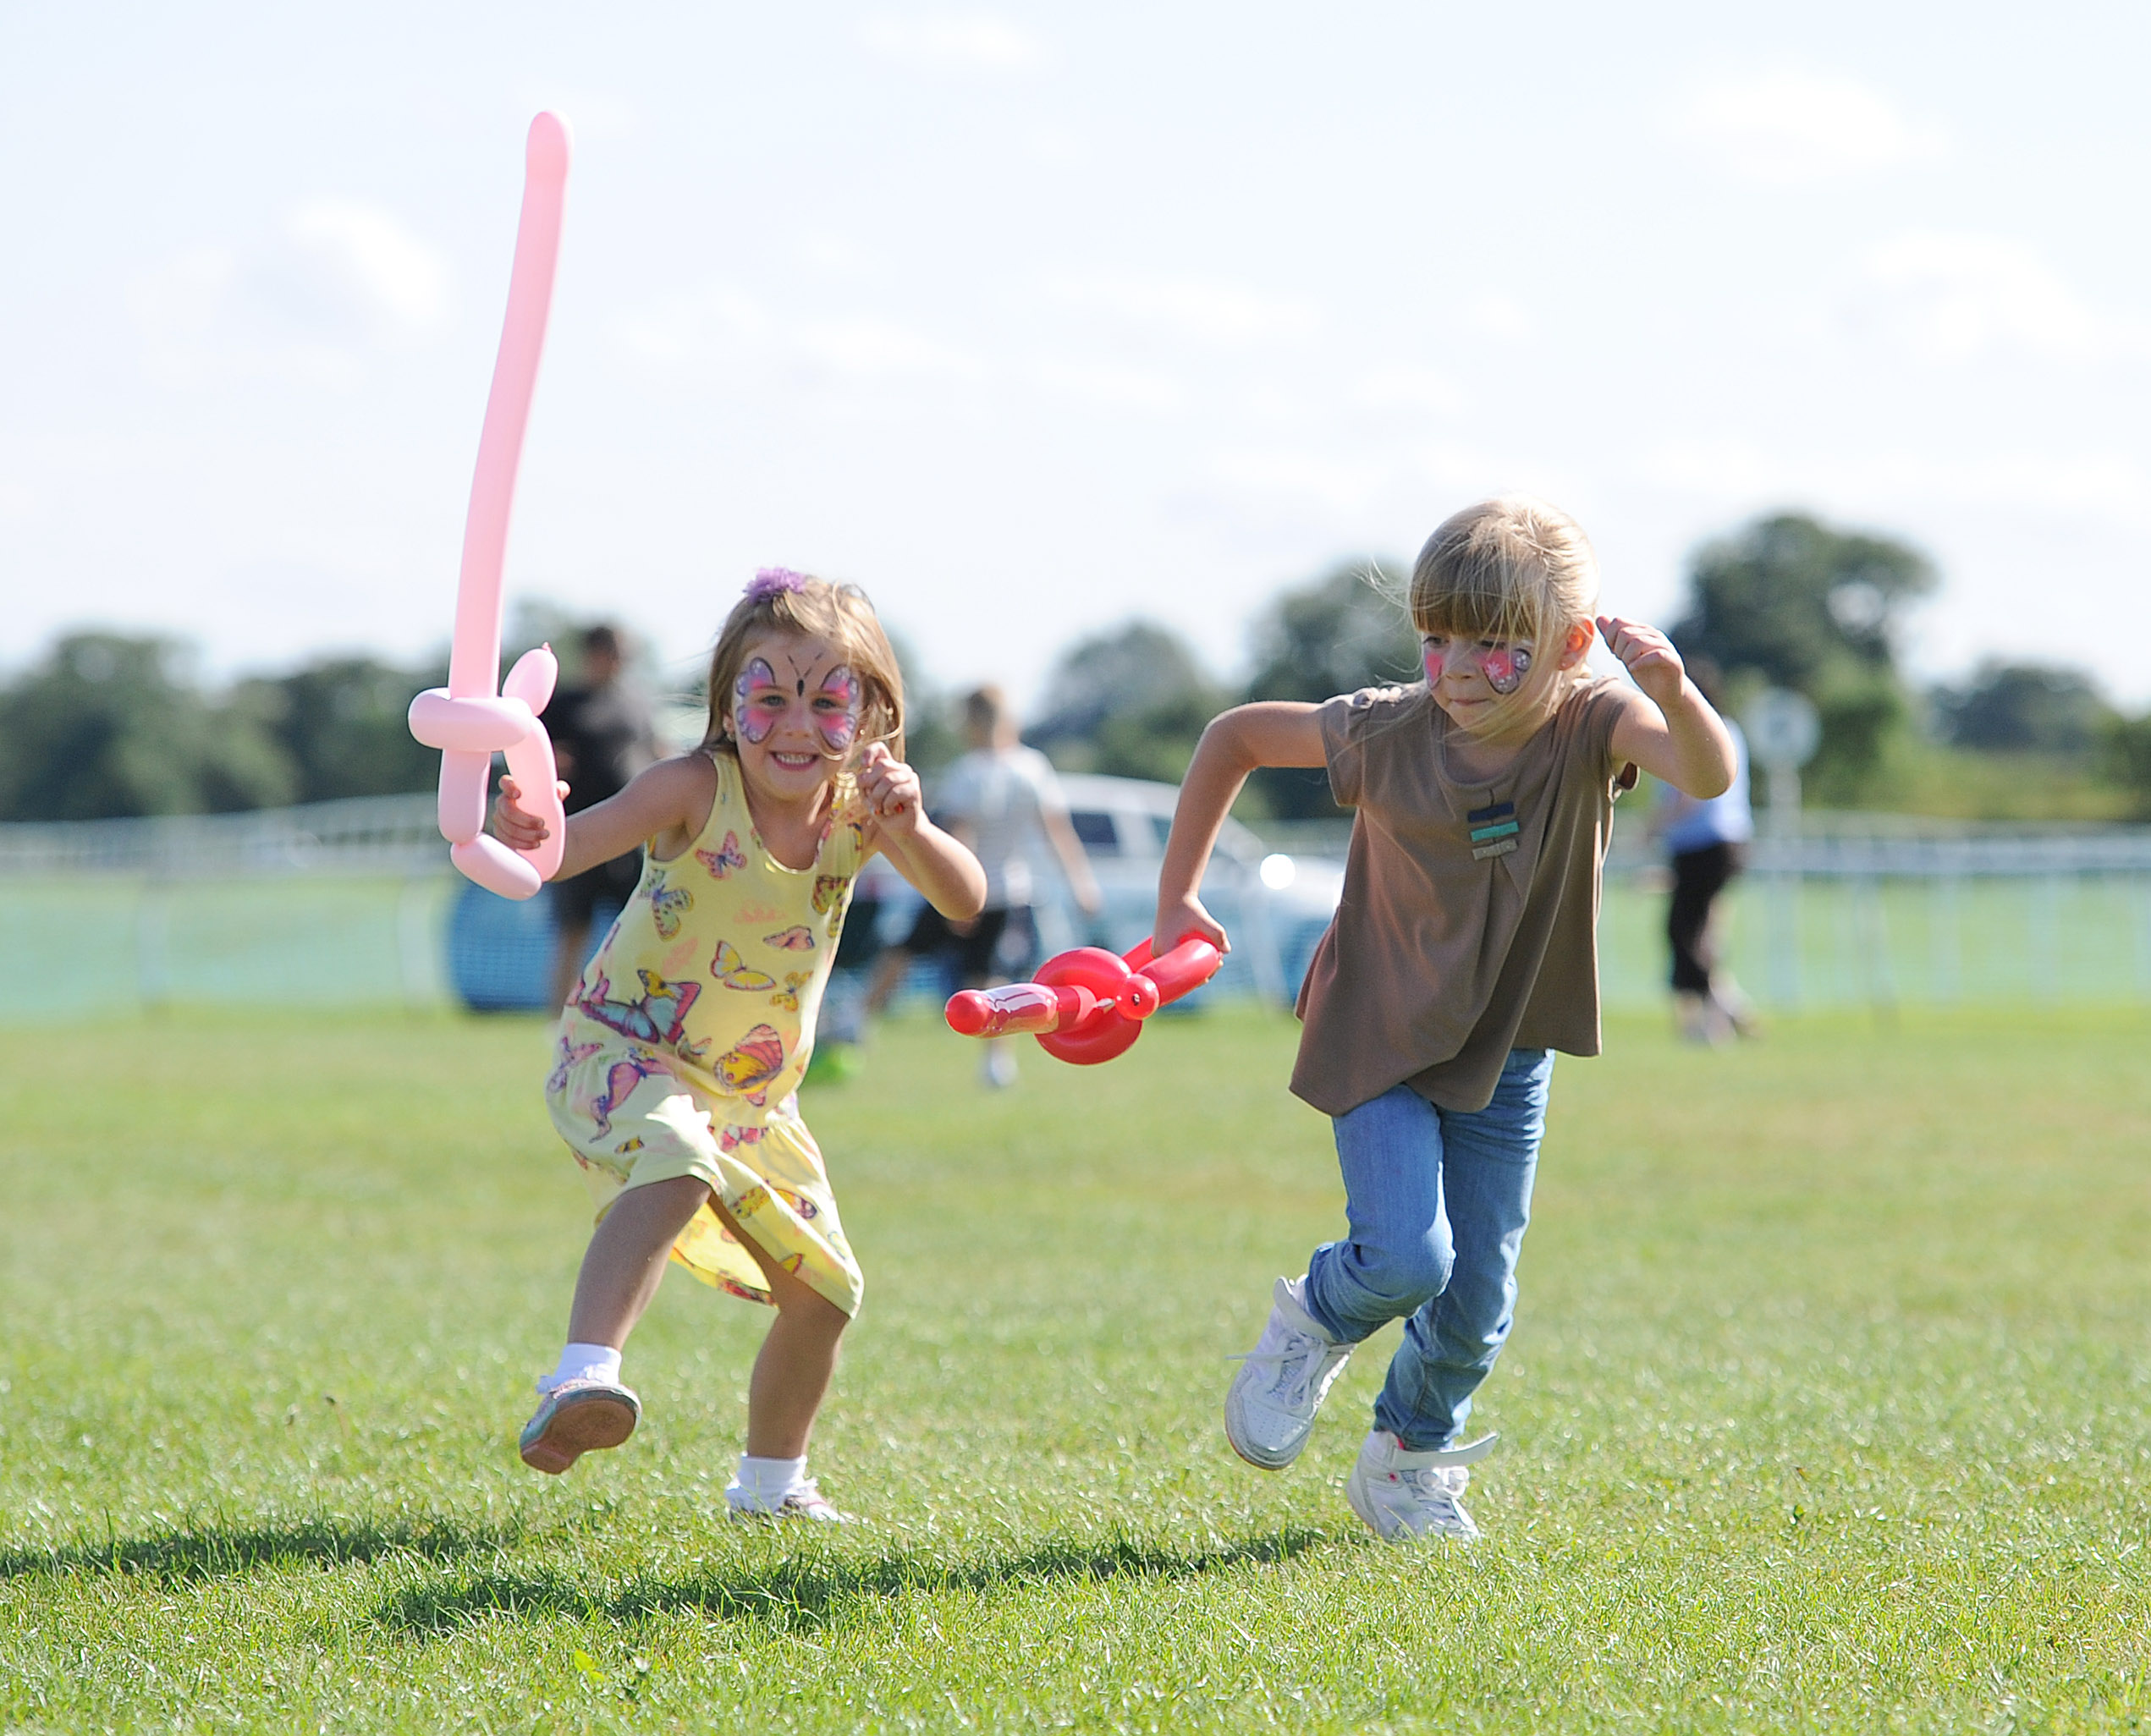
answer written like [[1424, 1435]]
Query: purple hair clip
[[774, 581]]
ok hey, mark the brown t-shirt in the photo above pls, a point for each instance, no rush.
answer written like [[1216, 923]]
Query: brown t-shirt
[[1469, 921]]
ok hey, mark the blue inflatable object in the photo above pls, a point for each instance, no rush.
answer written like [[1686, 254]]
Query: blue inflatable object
[[500, 950]]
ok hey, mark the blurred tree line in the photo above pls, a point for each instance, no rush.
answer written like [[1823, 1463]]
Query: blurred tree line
[[1132, 702], [106, 724], [1786, 600], [1791, 602]]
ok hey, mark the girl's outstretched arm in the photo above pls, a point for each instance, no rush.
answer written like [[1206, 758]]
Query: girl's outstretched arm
[[1270, 732], [1677, 738], [664, 807], [923, 853]]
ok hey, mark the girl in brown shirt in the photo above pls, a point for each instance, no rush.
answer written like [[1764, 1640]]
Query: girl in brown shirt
[[1462, 954]]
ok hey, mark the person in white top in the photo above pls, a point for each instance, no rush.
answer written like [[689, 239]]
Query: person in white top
[[999, 799]]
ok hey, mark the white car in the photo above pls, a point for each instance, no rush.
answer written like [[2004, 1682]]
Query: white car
[[1274, 906]]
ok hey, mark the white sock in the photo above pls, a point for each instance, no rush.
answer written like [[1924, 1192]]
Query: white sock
[[768, 1482], [584, 1362]]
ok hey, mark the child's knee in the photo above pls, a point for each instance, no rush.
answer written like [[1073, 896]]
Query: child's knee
[[1473, 1320], [682, 1192], [1408, 1274], [807, 1305], [662, 1207]]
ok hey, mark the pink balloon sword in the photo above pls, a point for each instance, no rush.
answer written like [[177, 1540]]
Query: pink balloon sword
[[467, 720]]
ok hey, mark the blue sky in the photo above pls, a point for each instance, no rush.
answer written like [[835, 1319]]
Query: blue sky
[[1033, 318]]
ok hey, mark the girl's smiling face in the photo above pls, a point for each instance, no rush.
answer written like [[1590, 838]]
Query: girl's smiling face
[[795, 713]]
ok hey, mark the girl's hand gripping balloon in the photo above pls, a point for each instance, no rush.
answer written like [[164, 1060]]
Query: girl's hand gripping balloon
[[1086, 1006], [468, 720]]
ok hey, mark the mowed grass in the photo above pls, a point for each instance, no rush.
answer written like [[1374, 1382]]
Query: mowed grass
[[1826, 1407]]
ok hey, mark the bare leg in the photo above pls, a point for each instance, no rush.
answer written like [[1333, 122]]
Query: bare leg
[[626, 1258], [791, 1373], [567, 962], [620, 1274]]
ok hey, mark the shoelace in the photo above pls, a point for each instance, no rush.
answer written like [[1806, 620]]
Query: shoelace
[[1430, 1484], [1299, 1348]]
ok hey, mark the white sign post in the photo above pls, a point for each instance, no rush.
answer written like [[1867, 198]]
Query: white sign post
[[1784, 730]]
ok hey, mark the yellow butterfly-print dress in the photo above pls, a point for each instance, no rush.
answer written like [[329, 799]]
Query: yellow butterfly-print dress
[[683, 1046]]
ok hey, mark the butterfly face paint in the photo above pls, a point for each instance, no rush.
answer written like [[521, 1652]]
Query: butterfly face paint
[[836, 710], [758, 677], [1504, 670], [1503, 666]]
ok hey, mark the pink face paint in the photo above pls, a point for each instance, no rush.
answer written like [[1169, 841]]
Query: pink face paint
[[1504, 670], [756, 678], [839, 729]]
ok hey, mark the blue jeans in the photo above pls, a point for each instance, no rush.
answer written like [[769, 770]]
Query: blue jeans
[[1436, 1200]]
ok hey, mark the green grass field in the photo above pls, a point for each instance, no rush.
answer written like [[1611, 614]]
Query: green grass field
[[1826, 1406]]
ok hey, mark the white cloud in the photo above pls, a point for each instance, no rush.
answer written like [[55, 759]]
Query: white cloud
[[1112, 386], [2107, 485], [175, 304], [834, 255], [205, 313], [1499, 315], [1339, 484], [1418, 389], [965, 42], [399, 280], [873, 344], [726, 328], [1953, 298], [1226, 315], [310, 305], [689, 328], [1792, 127]]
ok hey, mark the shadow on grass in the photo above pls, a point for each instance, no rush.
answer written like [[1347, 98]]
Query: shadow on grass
[[225, 1552], [803, 1595]]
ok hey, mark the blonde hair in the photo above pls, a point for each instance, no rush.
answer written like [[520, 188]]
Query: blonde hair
[[1513, 568], [781, 602]]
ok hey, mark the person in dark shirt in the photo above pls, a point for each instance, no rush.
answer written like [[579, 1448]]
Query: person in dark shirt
[[603, 735]]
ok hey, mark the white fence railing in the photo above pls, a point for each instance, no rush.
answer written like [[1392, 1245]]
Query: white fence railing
[[391, 834], [2011, 855], [1880, 919], [345, 902]]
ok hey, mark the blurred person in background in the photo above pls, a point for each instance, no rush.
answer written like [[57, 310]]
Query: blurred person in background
[[851, 978], [603, 734], [998, 799], [1706, 842]]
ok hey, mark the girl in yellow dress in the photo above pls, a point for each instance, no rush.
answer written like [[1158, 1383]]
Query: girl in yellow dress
[[682, 1048]]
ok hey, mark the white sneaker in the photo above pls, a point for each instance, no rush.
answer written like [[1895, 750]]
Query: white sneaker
[[1282, 1381], [802, 1501], [1405, 1496], [996, 1067]]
